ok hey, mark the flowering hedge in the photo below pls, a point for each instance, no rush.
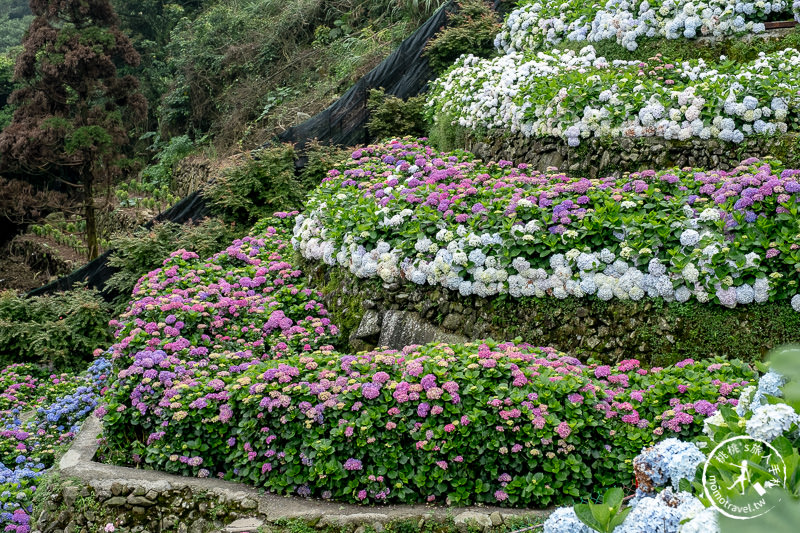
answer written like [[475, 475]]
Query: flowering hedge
[[537, 24], [402, 211], [766, 411], [484, 422], [58, 405], [577, 95]]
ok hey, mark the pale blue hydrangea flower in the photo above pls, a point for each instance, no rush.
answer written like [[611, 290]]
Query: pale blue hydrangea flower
[[660, 514], [477, 257], [796, 302], [465, 288], [587, 262], [419, 277], [727, 297], [423, 245], [605, 293], [607, 256], [748, 398], [636, 293], [557, 260], [664, 287], [705, 521], [744, 294], [588, 285], [669, 460], [690, 237], [564, 520], [690, 273], [682, 294], [771, 383], [770, 421], [656, 268], [520, 264]]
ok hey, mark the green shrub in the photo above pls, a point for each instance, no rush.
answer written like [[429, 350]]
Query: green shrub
[[264, 184], [146, 249], [471, 30], [169, 154], [58, 331], [320, 158], [390, 116]]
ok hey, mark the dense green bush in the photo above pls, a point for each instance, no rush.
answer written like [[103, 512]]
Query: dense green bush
[[6, 88], [168, 155], [471, 30], [265, 183], [318, 159], [391, 116], [146, 249], [58, 331]]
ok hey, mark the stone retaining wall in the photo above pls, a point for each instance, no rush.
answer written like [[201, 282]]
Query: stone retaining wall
[[374, 314], [91, 495], [602, 157]]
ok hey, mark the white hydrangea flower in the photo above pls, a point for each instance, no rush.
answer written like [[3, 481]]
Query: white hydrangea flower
[[690, 238], [770, 421]]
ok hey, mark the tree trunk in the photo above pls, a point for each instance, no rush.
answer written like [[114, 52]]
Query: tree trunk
[[89, 213]]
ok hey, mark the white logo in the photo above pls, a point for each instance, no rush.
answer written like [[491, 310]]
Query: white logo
[[743, 477]]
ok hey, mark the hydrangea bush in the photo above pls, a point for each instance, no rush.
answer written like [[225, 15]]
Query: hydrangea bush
[[244, 399], [54, 409], [537, 24], [682, 507], [578, 95], [401, 211]]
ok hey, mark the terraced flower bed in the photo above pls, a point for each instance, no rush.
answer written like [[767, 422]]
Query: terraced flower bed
[[536, 24], [403, 212], [578, 95], [224, 368]]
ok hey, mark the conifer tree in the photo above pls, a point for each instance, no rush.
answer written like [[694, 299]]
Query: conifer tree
[[74, 111]]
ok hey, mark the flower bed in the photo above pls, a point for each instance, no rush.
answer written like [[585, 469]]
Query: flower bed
[[481, 422], [539, 24], [577, 95], [57, 406], [403, 212], [670, 497]]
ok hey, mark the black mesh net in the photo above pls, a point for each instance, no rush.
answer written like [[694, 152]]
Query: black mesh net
[[403, 74], [96, 273]]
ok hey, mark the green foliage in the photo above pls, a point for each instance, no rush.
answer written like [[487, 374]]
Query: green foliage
[[138, 253], [604, 516], [786, 361], [471, 30], [319, 159], [15, 17], [59, 331], [169, 155], [446, 136], [94, 138], [6, 87], [247, 68], [420, 10], [390, 116], [264, 184], [153, 20]]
